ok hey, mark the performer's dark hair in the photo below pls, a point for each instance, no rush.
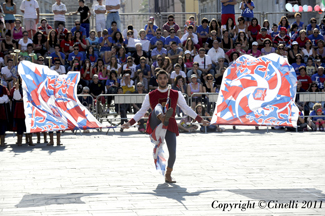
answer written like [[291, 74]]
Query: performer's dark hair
[[161, 72]]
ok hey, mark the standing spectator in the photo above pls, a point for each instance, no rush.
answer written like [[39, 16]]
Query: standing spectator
[[312, 26], [247, 7], [304, 78], [9, 9], [319, 78], [59, 9], [227, 10], [170, 24], [203, 31], [298, 22], [84, 15], [112, 7], [205, 63], [45, 28], [100, 11], [174, 52], [78, 27], [30, 9], [284, 22], [150, 28]]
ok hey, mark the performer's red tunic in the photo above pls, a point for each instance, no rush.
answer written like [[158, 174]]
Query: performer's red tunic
[[18, 107]]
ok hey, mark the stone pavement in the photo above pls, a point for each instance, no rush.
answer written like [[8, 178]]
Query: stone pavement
[[98, 174]]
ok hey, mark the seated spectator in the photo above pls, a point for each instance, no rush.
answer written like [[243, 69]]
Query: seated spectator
[[177, 72], [186, 125], [284, 22], [67, 44], [180, 61], [139, 90], [315, 37], [159, 50], [172, 38], [294, 32], [112, 84], [298, 22], [203, 31], [281, 51], [145, 68], [214, 26], [320, 50], [318, 120], [40, 60], [194, 88], [122, 56], [170, 24], [96, 88], [308, 50], [174, 52], [141, 79], [86, 101], [293, 52], [153, 80], [129, 28], [241, 26], [8, 44], [130, 66], [139, 53], [213, 37], [29, 55], [156, 64], [218, 78], [79, 28], [266, 24], [310, 68], [61, 31], [282, 38], [205, 63], [322, 27], [237, 49], [167, 65], [318, 62], [111, 31], [261, 37], [87, 73], [312, 26], [158, 37], [9, 74], [215, 53], [268, 48], [75, 55], [179, 84], [75, 65], [101, 71], [150, 28], [298, 64], [191, 47], [117, 39], [105, 43], [196, 70], [242, 39], [319, 78], [126, 83], [22, 44], [253, 29], [91, 56], [188, 60], [275, 31], [52, 40], [45, 28], [60, 69], [190, 21], [220, 64], [230, 28], [58, 55], [304, 78], [313, 113], [208, 87], [233, 57], [254, 51], [78, 40], [190, 35], [302, 38], [114, 65], [93, 41], [226, 42]]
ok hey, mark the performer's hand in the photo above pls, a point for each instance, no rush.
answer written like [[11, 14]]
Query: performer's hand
[[205, 123], [126, 125]]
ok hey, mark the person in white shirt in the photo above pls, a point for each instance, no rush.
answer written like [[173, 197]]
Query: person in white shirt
[[59, 9], [176, 73], [30, 9], [7, 74], [100, 11], [130, 27], [58, 67], [205, 63], [112, 7], [191, 35], [215, 53], [131, 66]]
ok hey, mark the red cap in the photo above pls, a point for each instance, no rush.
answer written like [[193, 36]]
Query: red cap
[[283, 29], [319, 110]]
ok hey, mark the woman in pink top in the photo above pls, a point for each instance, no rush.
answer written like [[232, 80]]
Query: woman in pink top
[[254, 51], [101, 71]]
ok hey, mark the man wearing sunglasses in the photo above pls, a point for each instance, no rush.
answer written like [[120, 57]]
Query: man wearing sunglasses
[[315, 37], [78, 27], [159, 50], [130, 66], [312, 26], [158, 37], [172, 38], [170, 24], [58, 67]]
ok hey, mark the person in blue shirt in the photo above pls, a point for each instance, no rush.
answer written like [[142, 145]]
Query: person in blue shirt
[[172, 38], [298, 22], [57, 55], [105, 43], [275, 31], [93, 41], [315, 37], [75, 54], [247, 7], [312, 26], [79, 28], [203, 31], [284, 22], [322, 27], [156, 38], [150, 28], [113, 29], [319, 78], [159, 50], [144, 67], [298, 64]]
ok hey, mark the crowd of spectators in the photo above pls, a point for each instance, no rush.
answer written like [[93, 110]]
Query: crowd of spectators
[[113, 60]]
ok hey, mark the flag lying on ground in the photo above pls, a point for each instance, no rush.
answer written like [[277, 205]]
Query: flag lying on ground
[[157, 137], [50, 100], [258, 91]]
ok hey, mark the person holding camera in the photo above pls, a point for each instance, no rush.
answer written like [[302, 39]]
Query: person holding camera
[[247, 7], [150, 28]]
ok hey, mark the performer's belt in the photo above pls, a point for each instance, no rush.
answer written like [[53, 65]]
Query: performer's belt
[[113, 11]]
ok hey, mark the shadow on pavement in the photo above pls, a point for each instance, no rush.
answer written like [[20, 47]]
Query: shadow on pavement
[[37, 200], [26, 148]]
